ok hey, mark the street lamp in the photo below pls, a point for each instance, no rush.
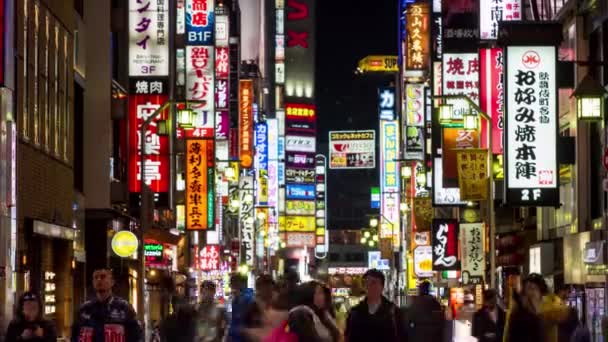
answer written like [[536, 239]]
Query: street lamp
[[406, 171], [373, 222], [470, 121], [185, 117], [445, 113], [589, 95]]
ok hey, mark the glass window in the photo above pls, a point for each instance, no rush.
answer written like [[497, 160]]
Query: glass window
[[22, 86], [35, 93]]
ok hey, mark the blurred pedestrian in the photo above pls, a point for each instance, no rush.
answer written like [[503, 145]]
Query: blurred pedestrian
[[425, 316], [210, 317], [535, 313], [489, 321], [565, 329], [29, 324], [241, 299], [310, 320], [375, 318], [180, 326], [106, 315], [254, 314], [467, 310]]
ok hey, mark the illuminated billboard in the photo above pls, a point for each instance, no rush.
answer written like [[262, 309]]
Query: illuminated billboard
[[199, 22], [352, 149], [200, 191], [300, 38], [148, 38]]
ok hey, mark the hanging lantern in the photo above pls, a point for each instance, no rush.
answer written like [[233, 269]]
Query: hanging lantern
[[589, 96], [445, 113]]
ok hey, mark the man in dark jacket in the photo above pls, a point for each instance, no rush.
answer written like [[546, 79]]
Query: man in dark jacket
[[375, 318], [489, 321], [106, 317], [425, 317]]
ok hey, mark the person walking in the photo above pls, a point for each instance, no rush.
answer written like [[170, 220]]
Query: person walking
[[535, 313], [489, 321], [180, 326], [210, 317], [29, 325], [375, 318], [310, 320], [241, 300], [106, 317], [425, 316]]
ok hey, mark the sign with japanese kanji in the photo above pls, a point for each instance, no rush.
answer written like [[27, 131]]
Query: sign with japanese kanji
[[157, 173], [453, 139], [445, 245], [199, 197], [222, 30], [460, 24], [352, 149], [200, 22], [149, 38], [200, 76], [473, 174], [246, 220], [418, 36], [491, 12], [246, 123], [531, 165], [389, 181], [472, 252], [299, 176], [460, 76], [491, 92], [222, 62], [209, 258], [386, 103]]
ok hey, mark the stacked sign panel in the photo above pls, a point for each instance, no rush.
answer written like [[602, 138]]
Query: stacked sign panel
[[199, 184], [300, 149], [321, 205], [148, 78]]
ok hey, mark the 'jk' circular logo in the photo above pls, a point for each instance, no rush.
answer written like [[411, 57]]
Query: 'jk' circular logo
[[531, 59]]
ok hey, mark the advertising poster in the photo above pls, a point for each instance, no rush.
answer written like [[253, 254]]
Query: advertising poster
[[352, 149]]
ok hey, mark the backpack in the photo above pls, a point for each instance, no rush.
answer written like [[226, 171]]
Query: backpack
[[282, 334]]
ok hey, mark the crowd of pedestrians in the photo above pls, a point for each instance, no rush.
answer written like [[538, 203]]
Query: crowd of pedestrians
[[290, 311]]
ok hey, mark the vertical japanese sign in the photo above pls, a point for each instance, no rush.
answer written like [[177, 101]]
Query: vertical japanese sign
[[200, 192], [531, 126], [261, 162], [453, 139], [418, 36], [273, 182], [222, 30], [157, 172], [246, 123], [209, 258], [414, 121], [200, 87], [148, 38], [246, 220], [389, 181], [491, 12], [473, 174], [460, 77], [472, 253], [386, 103], [320, 204], [445, 245], [491, 94], [199, 22]]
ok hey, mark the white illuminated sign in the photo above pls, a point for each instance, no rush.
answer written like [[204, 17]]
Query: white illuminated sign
[[148, 38], [531, 125], [491, 12]]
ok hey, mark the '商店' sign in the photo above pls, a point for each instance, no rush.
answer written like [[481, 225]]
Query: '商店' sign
[[531, 164]]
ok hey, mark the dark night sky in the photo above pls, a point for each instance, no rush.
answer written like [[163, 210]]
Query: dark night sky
[[347, 31]]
